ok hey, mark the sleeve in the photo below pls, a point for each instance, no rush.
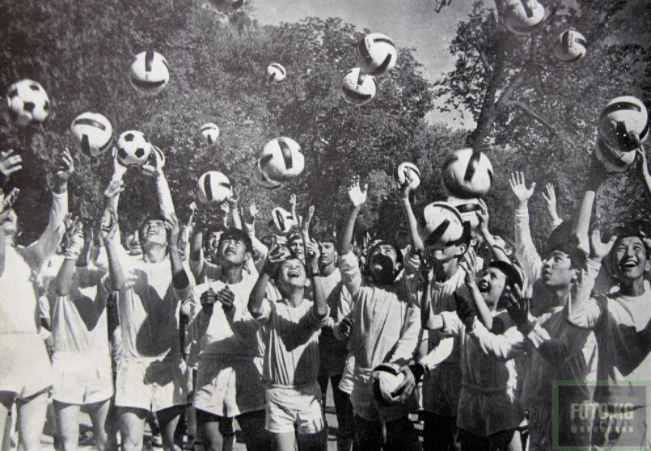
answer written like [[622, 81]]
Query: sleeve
[[260, 252], [267, 310], [196, 266], [345, 304], [439, 353], [184, 293], [411, 274], [503, 347], [350, 273], [582, 310], [558, 350], [164, 196], [242, 323], [39, 252], [525, 250], [409, 339]]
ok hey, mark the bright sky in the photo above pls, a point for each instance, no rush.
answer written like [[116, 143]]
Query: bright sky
[[410, 23]]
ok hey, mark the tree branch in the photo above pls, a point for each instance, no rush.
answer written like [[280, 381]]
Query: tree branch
[[529, 112]]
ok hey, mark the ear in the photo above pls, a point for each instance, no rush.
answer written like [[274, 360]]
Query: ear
[[575, 276], [247, 257], [461, 249]]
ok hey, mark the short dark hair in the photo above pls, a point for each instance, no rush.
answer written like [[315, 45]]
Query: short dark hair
[[513, 276], [153, 216], [562, 239], [294, 236], [399, 257], [630, 231], [326, 238], [238, 235]]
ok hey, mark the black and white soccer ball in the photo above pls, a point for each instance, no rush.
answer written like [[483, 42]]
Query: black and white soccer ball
[[213, 187], [524, 16], [149, 73], [210, 132], [406, 171], [133, 148], [262, 180], [624, 123], [386, 378], [357, 87], [276, 73], [440, 222], [613, 159], [28, 101], [377, 54], [467, 174], [570, 46], [467, 208], [282, 160], [93, 133], [283, 220]]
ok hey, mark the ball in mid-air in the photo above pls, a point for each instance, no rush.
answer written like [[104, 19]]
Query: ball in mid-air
[[467, 174], [93, 132], [467, 208], [213, 187], [570, 46], [275, 73], [262, 180], [377, 54], [440, 222], [133, 148], [209, 132], [28, 101], [281, 159], [357, 87], [408, 171], [524, 16], [624, 123], [149, 73], [614, 159], [228, 6], [283, 220]]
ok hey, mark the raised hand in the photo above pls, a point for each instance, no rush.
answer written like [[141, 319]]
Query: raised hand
[[118, 169], [518, 303], [482, 215], [74, 241], [356, 194], [469, 265], [275, 257], [10, 163], [305, 224], [519, 187], [173, 230], [292, 200], [644, 164], [109, 225], [550, 202], [599, 249], [63, 173]]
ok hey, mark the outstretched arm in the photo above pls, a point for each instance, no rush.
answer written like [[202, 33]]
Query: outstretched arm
[[644, 166], [73, 245], [180, 278], [469, 264], [525, 249], [412, 224], [357, 197], [9, 163], [274, 258], [550, 202], [497, 251], [109, 227]]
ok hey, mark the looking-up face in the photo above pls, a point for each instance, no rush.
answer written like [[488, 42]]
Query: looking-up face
[[491, 285], [154, 232], [629, 259], [291, 274], [232, 252], [383, 264], [442, 252], [557, 270]]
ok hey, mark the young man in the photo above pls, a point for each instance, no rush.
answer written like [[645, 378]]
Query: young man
[[385, 329], [621, 322], [290, 329], [25, 372], [150, 375], [229, 384], [81, 361]]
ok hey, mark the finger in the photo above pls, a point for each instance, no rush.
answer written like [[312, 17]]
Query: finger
[[533, 186], [14, 169], [7, 153], [365, 189]]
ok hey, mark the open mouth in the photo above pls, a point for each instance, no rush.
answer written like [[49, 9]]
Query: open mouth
[[628, 264], [293, 273], [483, 286]]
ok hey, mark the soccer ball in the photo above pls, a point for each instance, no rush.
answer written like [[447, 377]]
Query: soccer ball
[[524, 16], [386, 378], [358, 88], [467, 208], [624, 123], [377, 54], [29, 101], [281, 159], [613, 159], [283, 220], [440, 222], [213, 187], [410, 170], [262, 179], [275, 73], [210, 132], [149, 73], [228, 6], [467, 174], [93, 132], [570, 46], [133, 148]]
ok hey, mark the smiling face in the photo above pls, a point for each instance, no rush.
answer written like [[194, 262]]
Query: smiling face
[[491, 285], [10, 224], [557, 270], [629, 259], [296, 245], [291, 275]]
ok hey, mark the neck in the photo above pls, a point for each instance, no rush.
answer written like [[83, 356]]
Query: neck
[[295, 298], [561, 296], [155, 253], [232, 274], [327, 270], [445, 270], [632, 287]]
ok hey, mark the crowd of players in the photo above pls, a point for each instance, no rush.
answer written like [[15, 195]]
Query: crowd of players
[[208, 322]]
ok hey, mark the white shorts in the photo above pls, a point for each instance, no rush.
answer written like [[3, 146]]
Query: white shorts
[[228, 386], [25, 367], [150, 384], [82, 378], [294, 409]]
